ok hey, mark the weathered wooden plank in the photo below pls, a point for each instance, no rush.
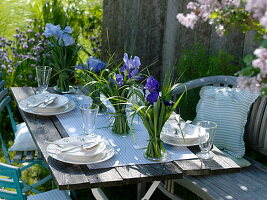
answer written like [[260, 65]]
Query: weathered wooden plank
[[149, 172], [251, 121], [136, 27], [204, 188], [219, 164], [250, 44], [240, 185], [103, 177]]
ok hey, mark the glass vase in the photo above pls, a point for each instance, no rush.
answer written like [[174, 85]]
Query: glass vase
[[155, 150], [95, 95], [63, 86], [120, 124]]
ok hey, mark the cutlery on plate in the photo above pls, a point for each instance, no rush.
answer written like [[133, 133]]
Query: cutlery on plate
[[44, 103]]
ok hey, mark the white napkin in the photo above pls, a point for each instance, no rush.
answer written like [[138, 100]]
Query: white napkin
[[79, 149]]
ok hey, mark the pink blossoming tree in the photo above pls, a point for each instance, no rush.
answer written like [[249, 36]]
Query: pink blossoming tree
[[245, 16]]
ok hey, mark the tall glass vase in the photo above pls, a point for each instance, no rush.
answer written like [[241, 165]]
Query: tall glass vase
[[155, 150], [120, 124], [63, 84], [95, 95]]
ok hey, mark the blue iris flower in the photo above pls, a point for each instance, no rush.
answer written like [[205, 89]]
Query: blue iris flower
[[152, 85], [119, 79], [62, 36], [93, 64], [131, 66]]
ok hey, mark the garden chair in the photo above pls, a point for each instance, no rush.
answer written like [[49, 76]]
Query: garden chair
[[12, 188], [251, 182], [28, 158]]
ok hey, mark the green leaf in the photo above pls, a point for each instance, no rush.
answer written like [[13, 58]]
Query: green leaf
[[214, 15]]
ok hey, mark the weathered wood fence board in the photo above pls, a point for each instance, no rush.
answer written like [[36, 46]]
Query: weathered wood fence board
[[149, 29]]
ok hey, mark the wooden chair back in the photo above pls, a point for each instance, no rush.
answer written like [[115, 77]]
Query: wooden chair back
[[4, 104], [256, 128], [10, 183]]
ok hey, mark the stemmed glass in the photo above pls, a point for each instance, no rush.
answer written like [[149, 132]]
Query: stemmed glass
[[43, 74], [89, 113], [206, 132]]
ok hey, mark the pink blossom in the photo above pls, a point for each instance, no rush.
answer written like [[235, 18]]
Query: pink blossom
[[261, 53], [250, 83], [258, 8], [189, 20], [202, 9]]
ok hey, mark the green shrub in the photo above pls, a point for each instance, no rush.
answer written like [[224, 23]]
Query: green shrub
[[195, 63]]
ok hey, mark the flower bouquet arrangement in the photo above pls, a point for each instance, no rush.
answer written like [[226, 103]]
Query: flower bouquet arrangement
[[64, 54], [115, 83], [155, 108], [95, 66]]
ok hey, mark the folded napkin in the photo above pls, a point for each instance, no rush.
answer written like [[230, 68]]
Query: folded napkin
[[79, 149]]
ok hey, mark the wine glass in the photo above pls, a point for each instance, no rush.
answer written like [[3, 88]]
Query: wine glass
[[206, 132]]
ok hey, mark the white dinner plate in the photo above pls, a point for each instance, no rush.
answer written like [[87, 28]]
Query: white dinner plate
[[103, 153], [67, 108], [178, 141], [58, 103]]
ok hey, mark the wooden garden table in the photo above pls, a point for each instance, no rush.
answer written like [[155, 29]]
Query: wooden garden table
[[70, 177]]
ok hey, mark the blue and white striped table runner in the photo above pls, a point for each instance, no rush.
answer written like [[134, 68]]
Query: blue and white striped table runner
[[126, 153]]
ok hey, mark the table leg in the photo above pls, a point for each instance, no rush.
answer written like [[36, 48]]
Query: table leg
[[151, 190], [99, 194], [141, 190]]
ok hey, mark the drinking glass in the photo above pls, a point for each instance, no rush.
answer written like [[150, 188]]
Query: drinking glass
[[89, 113], [43, 74], [206, 132]]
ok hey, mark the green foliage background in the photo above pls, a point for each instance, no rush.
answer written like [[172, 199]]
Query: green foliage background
[[195, 63]]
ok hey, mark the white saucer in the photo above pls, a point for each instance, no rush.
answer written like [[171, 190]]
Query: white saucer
[[67, 108]]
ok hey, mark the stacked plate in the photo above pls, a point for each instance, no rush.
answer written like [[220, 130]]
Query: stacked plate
[[47, 104], [180, 135], [81, 150]]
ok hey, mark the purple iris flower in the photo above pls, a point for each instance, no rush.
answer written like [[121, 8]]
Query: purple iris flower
[[61, 35], [93, 64], [119, 79], [131, 66], [152, 84], [152, 97]]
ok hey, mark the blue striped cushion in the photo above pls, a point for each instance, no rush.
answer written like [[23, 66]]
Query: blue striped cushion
[[228, 107]]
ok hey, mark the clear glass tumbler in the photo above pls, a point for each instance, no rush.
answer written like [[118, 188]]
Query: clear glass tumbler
[[89, 114], [43, 74], [206, 132]]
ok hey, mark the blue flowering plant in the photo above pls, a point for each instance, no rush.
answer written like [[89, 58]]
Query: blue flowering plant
[[95, 66], [116, 83], [154, 108], [64, 54]]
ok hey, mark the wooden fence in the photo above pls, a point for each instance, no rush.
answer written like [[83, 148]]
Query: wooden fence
[[149, 29]]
